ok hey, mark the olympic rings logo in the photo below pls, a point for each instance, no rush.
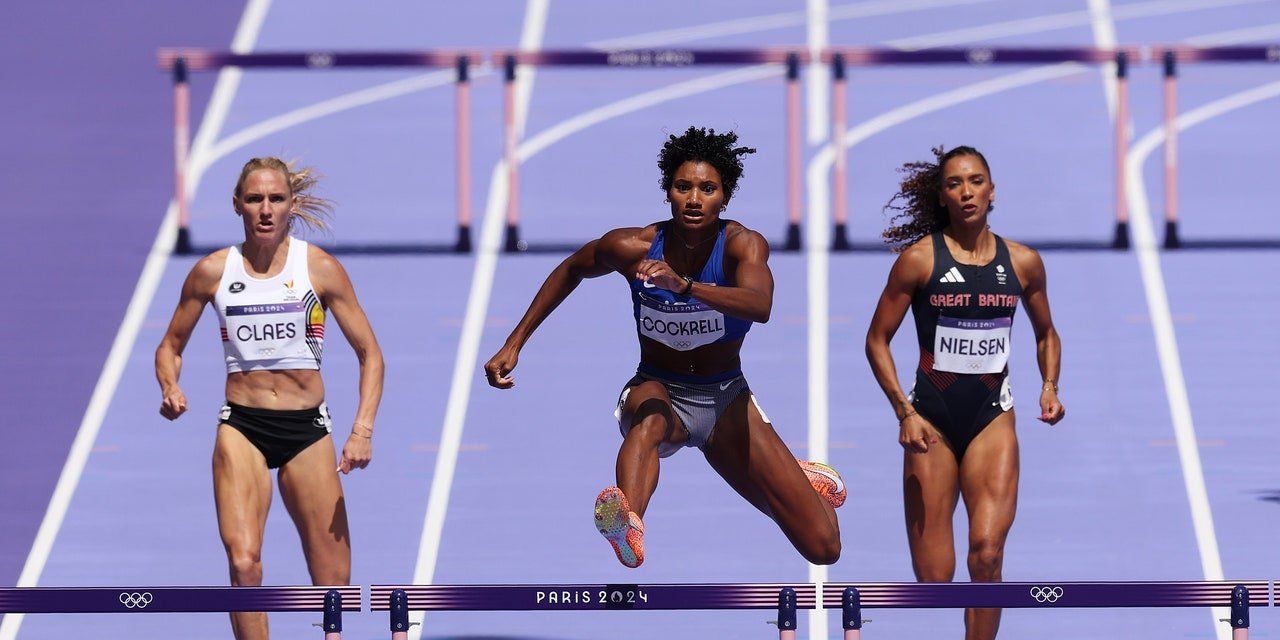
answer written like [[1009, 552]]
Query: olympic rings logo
[[136, 600], [1046, 594], [683, 344]]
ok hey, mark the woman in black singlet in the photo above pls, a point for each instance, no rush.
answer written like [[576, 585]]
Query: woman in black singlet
[[962, 283]]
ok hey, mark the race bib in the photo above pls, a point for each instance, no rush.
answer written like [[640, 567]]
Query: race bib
[[971, 346], [266, 331], [680, 326]]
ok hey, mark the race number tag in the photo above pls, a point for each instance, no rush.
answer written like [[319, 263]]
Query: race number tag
[[971, 345], [680, 326]]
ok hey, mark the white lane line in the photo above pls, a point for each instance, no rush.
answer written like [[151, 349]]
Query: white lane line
[[755, 24], [1065, 20], [466, 362], [1259, 33], [1166, 339], [817, 82], [122, 346]]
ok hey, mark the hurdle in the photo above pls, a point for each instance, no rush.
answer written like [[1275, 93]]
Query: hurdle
[[651, 58], [1170, 57], [851, 598], [331, 600], [848, 597], [400, 599], [839, 58], [181, 62]]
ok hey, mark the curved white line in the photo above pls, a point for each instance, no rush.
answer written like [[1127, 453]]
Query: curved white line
[[465, 362], [370, 95], [756, 24], [1166, 337], [122, 346], [1064, 20]]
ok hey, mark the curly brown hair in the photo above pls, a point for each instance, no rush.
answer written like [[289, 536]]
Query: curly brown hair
[[699, 144], [919, 213]]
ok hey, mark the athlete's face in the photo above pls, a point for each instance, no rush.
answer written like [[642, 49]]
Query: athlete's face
[[265, 204], [696, 195], [967, 191]]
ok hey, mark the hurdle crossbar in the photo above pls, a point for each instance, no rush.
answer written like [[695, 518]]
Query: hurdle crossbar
[[1021, 595], [181, 62], [590, 597], [841, 57], [652, 58], [175, 599], [1170, 56]]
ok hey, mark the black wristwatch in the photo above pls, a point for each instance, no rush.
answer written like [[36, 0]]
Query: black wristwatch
[[688, 286]]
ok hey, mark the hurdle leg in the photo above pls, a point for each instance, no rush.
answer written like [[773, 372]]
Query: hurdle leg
[[1239, 613], [851, 612], [787, 614], [332, 625], [399, 615]]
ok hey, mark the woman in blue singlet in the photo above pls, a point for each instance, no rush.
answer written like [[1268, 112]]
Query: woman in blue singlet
[[963, 284], [272, 293], [697, 283]]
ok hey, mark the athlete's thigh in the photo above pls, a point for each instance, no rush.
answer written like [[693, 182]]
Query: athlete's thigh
[[748, 453], [650, 399], [930, 490], [312, 492], [989, 478], [241, 488]]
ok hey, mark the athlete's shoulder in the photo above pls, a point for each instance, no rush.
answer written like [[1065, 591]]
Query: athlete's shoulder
[[212, 265], [736, 233], [625, 241], [1021, 253]]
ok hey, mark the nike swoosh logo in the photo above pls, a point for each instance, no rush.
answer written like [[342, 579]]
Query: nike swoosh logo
[[648, 285], [725, 385], [834, 478]]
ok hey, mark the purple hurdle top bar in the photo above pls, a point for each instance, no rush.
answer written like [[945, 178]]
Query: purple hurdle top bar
[[865, 56], [172, 599], [203, 60], [651, 57], [1263, 53], [561, 597], [1014, 595]]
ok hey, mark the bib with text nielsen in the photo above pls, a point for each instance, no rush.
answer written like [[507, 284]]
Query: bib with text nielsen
[[680, 326], [972, 346]]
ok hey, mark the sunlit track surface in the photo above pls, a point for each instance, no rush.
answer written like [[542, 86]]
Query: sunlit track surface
[[1102, 494]]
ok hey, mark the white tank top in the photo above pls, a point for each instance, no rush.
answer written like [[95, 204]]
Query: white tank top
[[270, 324]]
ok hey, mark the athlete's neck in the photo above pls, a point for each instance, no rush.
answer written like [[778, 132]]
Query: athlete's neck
[[265, 259]]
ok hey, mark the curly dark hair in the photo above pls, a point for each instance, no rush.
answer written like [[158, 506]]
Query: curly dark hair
[[916, 201], [699, 144]]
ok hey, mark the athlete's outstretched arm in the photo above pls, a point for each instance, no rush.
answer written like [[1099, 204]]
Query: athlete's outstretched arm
[[339, 296], [197, 291], [909, 271], [592, 260], [1048, 346]]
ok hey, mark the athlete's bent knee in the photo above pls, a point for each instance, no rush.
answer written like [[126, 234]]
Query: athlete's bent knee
[[825, 550]]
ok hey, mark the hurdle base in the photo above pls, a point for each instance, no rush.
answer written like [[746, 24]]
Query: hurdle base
[[1121, 240], [464, 239], [513, 243], [1171, 240], [840, 239], [182, 246], [793, 237]]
